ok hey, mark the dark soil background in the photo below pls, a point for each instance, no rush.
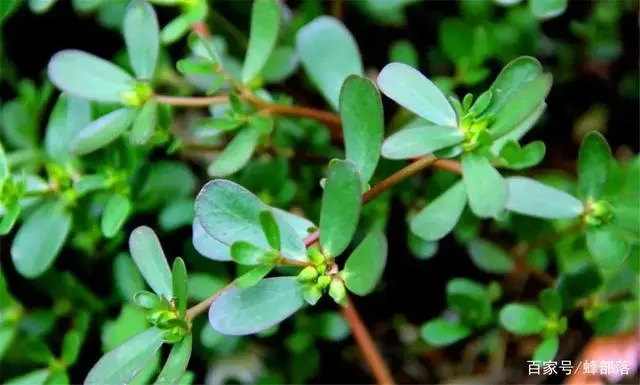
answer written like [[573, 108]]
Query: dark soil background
[[412, 287]]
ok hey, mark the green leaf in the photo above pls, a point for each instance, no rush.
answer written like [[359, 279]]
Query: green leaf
[[365, 265], [607, 246], [236, 154], [144, 123], [40, 239], [529, 197], [412, 90], [363, 124], [228, 212], [179, 285], [486, 189], [40, 6], [207, 245], [253, 276], [142, 38], [547, 9], [71, 344], [147, 253], [177, 362], [121, 365], [329, 54], [512, 78], [115, 214], [270, 228], [127, 279], [518, 158], [331, 326], [594, 160], [101, 131], [547, 349], [340, 211], [249, 311], [439, 217], [37, 377], [265, 26], [490, 257], [470, 300], [550, 301], [581, 282], [440, 332], [404, 52], [517, 133], [522, 319], [87, 76], [179, 213], [416, 141], [10, 216], [282, 63], [69, 115], [245, 253], [4, 166], [523, 103], [147, 299], [420, 248]]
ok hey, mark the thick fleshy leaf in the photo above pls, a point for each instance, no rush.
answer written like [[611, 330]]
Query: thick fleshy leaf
[[522, 319], [245, 253], [547, 9], [302, 226], [9, 215], [608, 246], [625, 215], [144, 123], [40, 238], [594, 160], [440, 332], [174, 30], [363, 124], [490, 257], [142, 38], [265, 26], [249, 311], [512, 78], [179, 285], [282, 63], [515, 157], [236, 154], [102, 131], [4, 166], [486, 189], [417, 141], [550, 301], [547, 349], [176, 364], [87, 76], [228, 212], [412, 90], [37, 377], [340, 211], [207, 245], [122, 364], [365, 265], [148, 255], [253, 276], [69, 115], [270, 228], [115, 214], [329, 54], [439, 217], [529, 197], [128, 280], [523, 103], [520, 131]]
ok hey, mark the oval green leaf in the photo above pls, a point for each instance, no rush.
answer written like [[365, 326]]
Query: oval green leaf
[[363, 124], [207, 245], [340, 211], [40, 239], [176, 364], [594, 160], [115, 214], [228, 212], [329, 54], [70, 114], [522, 319], [547, 349], [439, 217], [265, 27], [122, 364], [608, 246], [179, 285], [142, 38], [365, 265], [245, 253], [486, 189], [412, 90], [249, 311], [421, 140], [147, 253], [101, 131], [236, 154], [529, 197], [253, 276], [490, 257], [440, 332], [270, 229], [87, 76], [512, 78], [144, 123], [547, 9]]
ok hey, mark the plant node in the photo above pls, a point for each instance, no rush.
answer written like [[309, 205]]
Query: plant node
[[598, 213]]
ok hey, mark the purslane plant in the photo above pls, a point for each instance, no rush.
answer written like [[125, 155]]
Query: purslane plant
[[106, 122]]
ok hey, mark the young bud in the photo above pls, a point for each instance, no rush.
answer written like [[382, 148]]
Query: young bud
[[312, 294], [315, 256], [323, 281], [338, 292], [308, 274]]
